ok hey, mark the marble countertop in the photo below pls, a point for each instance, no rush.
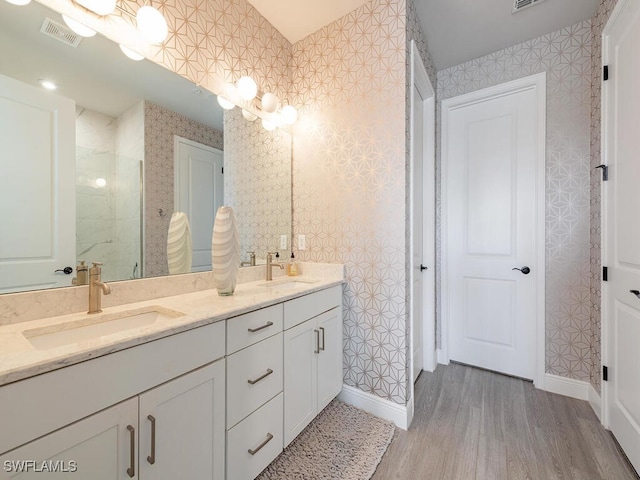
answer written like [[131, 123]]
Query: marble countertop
[[19, 359]]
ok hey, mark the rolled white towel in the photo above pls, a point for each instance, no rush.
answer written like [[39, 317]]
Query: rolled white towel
[[179, 248]]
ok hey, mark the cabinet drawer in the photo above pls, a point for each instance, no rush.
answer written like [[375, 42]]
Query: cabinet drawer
[[303, 308], [262, 365], [252, 327], [264, 424]]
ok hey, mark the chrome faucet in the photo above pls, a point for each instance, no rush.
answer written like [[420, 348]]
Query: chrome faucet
[[251, 262], [271, 264], [96, 287]]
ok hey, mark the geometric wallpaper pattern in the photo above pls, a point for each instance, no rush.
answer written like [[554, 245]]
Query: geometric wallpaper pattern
[[603, 12], [349, 181], [257, 183], [565, 55], [160, 126]]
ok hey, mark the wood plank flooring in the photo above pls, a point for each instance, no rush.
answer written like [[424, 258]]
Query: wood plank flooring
[[473, 424]]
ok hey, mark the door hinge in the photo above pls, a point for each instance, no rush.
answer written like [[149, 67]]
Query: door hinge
[[605, 373], [605, 274], [605, 172], [605, 73]]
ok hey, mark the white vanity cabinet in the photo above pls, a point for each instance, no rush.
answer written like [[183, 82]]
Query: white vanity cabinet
[[312, 357], [172, 431], [96, 448]]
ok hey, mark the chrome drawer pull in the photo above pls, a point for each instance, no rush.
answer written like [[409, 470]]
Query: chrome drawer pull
[[322, 330], [262, 377], [317, 332], [266, 325], [259, 447], [152, 458], [131, 471]]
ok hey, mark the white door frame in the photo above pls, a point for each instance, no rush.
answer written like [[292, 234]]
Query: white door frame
[[538, 83], [606, 254], [420, 78]]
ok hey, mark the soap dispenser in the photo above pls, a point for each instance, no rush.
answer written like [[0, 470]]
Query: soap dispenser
[[292, 266]]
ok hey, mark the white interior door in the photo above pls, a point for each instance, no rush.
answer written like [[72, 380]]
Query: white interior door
[[493, 150], [621, 315], [37, 172], [423, 335], [198, 193]]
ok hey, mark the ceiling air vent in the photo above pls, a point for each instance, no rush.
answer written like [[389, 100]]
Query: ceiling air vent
[[60, 33], [522, 4]]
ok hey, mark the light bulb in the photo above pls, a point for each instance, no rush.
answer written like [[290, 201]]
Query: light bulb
[[152, 24], [247, 88], [78, 28], [248, 115], [132, 54], [269, 102], [20, 3], [100, 182], [268, 125], [289, 115], [224, 103], [101, 7]]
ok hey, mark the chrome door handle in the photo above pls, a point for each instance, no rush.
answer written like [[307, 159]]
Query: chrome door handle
[[262, 377], [259, 447], [524, 270], [131, 471], [423, 268], [317, 350], [635, 292], [152, 458], [322, 330], [266, 325]]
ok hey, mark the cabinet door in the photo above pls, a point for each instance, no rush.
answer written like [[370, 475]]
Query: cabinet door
[[185, 419], [300, 378], [330, 357], [97, 448]]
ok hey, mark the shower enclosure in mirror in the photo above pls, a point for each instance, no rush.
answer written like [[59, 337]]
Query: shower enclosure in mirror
[[88, 171]]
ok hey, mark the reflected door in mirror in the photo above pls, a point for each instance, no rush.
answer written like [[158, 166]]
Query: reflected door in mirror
[[37, 180]]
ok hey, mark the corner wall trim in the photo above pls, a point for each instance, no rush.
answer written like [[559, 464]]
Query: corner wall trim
[[595, 401], [567, 386], [375, 405]]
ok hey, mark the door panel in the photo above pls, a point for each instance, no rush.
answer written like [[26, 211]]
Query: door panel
[[330, 357], [199, 193], [493, 155], [418, 230], [621, 315], [39, 224]]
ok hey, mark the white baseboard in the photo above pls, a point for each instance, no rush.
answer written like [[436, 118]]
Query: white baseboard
[[595, 401], [376, 406], [567, 386], [442, 357]]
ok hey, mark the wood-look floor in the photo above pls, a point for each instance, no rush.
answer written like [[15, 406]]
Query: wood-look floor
[[474, 424]]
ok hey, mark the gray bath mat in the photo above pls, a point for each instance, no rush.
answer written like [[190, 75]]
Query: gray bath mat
[[342, 442]]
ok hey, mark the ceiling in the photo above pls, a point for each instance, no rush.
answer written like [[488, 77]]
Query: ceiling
[[295, 19], [456, 30], [461, 30], [96, 74]]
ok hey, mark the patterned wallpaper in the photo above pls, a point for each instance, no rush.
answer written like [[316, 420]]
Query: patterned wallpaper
[[350, 181], [603, 12], [566, 57], [257, 183], [160, 126]]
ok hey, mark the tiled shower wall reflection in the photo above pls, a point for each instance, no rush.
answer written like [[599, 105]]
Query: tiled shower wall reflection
[[108, 192]]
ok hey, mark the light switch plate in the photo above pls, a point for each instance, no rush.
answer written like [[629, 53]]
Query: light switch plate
[[302, 242], [283, 242]]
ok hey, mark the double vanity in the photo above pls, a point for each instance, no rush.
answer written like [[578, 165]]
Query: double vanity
[[191, 386]]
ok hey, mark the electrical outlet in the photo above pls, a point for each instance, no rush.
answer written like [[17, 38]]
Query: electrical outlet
[[302, 242], [284, 240]]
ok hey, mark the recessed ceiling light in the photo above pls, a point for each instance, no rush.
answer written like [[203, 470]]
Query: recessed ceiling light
[[48, 84]]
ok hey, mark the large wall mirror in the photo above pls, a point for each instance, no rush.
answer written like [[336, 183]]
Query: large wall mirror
[[95, 169]]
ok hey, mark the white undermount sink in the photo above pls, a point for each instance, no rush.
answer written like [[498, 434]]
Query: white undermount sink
[[96, 326], [288, 284]]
